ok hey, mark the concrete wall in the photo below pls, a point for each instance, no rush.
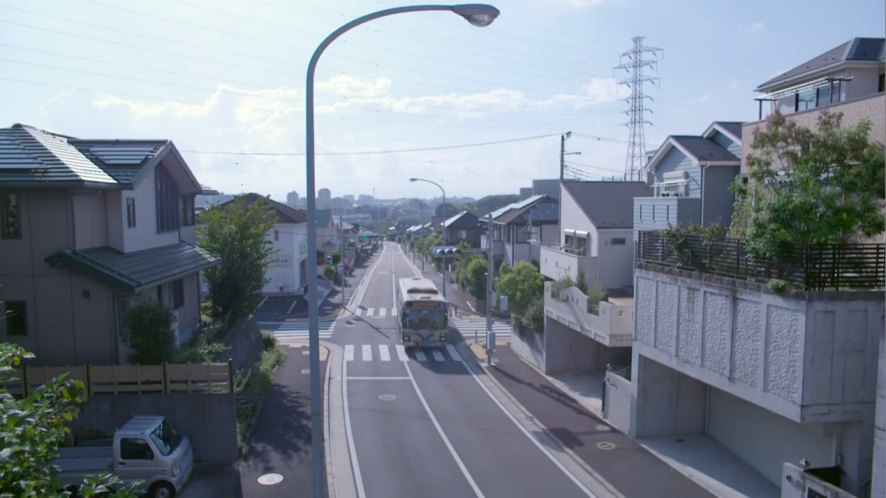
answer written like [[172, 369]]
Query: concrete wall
[[617, 401], [616, 268], [878, 473], [209, 420], [666, 401], [526, 345], [810, 357], [569, 351]]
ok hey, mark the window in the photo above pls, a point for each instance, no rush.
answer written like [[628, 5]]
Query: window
[[130, 212], [577, 244], [881, 84], [10, 216], [16, 318], [167, 201], [133, 448], [276, 235], [178, 294], [620, 241], [186, 211]]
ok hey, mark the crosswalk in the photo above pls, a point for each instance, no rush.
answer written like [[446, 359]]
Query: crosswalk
[[296, 331], [383, 353], [375, 312], [467, 327]]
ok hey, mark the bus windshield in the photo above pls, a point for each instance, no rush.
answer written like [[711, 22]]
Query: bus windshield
[[418, 319]]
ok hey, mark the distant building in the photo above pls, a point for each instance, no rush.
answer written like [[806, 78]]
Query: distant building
[[550, 188], [292, 199], [365, 199], [324, 198], [525, 192]]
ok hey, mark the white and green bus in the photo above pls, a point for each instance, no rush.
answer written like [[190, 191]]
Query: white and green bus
[[424, 313]]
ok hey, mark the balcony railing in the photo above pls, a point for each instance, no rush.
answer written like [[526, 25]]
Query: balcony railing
[[812, 268]]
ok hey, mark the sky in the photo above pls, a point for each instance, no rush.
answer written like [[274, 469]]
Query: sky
[[479, 111]]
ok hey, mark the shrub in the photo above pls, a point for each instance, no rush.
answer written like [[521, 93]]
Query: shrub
[[149, 333]]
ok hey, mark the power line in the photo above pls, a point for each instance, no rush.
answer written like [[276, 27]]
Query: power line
[[373, 152]]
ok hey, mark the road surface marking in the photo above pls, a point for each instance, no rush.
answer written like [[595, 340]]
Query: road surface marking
[[401, 352], [382, 312], [355, 465], [605, 445], [367, 352], [438, 355], [378, 378], [453, 352], [420, 356], [358, 311], [349, 352], [393, 311], [383, 352], [461, 465]]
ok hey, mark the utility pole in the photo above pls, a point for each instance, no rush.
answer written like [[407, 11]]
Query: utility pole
[[341, 254], [490, 335], [563, 153], [635, 161]]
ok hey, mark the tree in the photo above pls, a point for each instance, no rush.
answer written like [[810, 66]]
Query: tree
[[522, 284], [474, 276], [822, 186], [33, 427], [236, 233], [149, 333]]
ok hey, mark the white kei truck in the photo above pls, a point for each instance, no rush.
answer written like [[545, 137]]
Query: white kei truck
[[146, 448]]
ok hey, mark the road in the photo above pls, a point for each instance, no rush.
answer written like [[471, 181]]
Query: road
[[421, 423]]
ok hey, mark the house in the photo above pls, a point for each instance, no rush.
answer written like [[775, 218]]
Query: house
[[583, 332], [463, 227], [690, 179], [86, 228], [774, 378], [521, 228], [285, 275]]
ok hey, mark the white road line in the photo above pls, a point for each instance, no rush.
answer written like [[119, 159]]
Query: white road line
[[378, 378], [461, 465], [538, 444], [453, 352], [394, 311], [358, 311], [382, 312], [420, 356], [438, 356], [401, 352], [383, 352], [355, 465], [349, 352], [370, 312], [367, 352]]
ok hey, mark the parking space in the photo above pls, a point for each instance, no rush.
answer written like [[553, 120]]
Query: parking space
[[275, 308]]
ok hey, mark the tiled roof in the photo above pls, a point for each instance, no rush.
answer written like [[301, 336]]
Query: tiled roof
[[732, 127], [29, 156], [540, 212], [607, 204], [136, 270], [516, 205], [463, 220], [283, 212], [703, 149], [854, 50]]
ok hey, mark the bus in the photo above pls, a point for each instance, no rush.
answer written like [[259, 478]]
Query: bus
[[424, 313]]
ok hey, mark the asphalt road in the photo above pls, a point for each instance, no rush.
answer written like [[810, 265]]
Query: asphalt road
[[426, 426]]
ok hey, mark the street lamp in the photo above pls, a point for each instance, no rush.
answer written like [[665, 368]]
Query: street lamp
[[477, 14], [444, 228]]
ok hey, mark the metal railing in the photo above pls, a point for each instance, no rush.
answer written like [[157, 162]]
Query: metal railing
[[812, 268]]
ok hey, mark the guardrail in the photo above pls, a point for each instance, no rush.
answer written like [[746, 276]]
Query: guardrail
[[167, 378]]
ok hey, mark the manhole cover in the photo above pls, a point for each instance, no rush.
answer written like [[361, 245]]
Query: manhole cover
[[602, 427], [270, 479], [387, 397]]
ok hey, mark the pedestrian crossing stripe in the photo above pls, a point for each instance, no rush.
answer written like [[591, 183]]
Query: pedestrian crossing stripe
[[465, 326], [365, 352], [375, 312]]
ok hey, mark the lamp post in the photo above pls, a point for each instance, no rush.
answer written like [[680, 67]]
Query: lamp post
[[477, 14], [444, 217]]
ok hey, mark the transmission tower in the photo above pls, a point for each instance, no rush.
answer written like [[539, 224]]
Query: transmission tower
[[636, 157]]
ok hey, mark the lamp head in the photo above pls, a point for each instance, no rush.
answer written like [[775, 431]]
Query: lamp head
[[478, 14], [413, 179]]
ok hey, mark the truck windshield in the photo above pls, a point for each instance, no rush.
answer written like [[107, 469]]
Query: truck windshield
[[165, 438]]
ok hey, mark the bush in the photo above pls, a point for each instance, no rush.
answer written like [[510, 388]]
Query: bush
[[149, 333], [201, 348], [534, 316], [250, 386]]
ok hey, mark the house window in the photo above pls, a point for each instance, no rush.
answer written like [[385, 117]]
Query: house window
[[16, 315], [186, 210], [641, 212], [178, 294], [10, 216], [130, 212], [276, 235], [167, 201], [619, 241], [577, 244], [881, 84]]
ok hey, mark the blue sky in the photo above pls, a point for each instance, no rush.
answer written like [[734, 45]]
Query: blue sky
[[228, 76]]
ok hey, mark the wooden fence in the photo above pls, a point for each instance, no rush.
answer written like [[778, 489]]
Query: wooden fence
[[131, 379]]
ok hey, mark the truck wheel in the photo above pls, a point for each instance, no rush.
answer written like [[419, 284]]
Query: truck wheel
[[161, 490]]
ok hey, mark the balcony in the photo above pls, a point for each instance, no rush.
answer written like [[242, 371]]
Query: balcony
[[705, 309], [656, 213], [609, 322], [557, 262]]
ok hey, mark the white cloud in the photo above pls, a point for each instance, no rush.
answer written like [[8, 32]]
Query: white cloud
[[141, 110], [596, 91], [752, 28], [356, 87]]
